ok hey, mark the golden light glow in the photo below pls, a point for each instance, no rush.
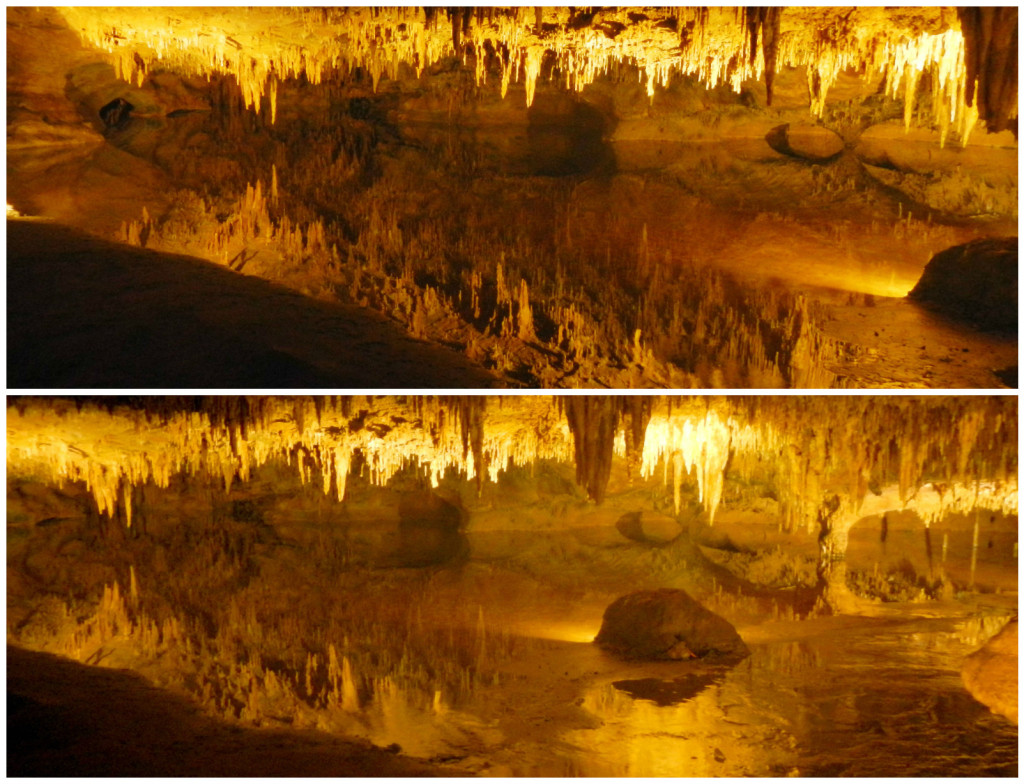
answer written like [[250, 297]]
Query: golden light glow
[[261, 46], [565, 631], [816, 445]]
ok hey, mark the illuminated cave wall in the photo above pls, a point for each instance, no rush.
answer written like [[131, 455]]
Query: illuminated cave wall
[[933, 454], [262, 46], [413, 163]]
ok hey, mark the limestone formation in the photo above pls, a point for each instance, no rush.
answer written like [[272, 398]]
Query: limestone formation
[[426, 571], [975, 283], [667, 624], [390, 158], [990, 673], [942, 454]]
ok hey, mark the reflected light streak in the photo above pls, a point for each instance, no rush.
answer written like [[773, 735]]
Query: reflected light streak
[[563, 631], [895, 285]]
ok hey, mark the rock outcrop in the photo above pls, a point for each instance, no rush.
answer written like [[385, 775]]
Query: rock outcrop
[[975, 282], [990, 673], [666, 624]]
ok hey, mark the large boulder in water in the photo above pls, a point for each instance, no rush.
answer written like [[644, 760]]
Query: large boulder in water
[[976, 283], [649, 527], [666, 624], [990, 674], [809, 142]]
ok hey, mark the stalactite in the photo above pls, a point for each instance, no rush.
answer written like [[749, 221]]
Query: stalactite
[[766, 23], [990, 36], [594, 423], [934, 455], [636, 414], [471, 412], [708, 44]]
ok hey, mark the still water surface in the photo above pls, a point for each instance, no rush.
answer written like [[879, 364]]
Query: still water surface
[[837, 697], [876, 701]]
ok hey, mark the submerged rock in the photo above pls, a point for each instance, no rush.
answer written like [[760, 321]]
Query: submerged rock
[[809, 142], [648, 527], [666, 624], [975, 282], [990, 673]]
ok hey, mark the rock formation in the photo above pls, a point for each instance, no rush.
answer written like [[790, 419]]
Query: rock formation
[[990, 673], [667, 624], [975, 283]]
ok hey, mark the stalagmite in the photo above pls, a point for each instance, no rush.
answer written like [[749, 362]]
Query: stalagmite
[[349, 695], [974, 546]]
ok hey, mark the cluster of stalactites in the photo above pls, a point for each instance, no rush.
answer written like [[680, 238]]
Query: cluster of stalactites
[[716, 46], [115, 449], [687, 439], [964, 448], [856, 445], [935, 501], [942, 57]]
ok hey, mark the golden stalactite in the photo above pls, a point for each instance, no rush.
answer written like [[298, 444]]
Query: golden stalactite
[[991, 64], [935, 453], [716, 46]]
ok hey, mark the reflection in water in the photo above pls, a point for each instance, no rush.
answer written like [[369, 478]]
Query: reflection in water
[[879, 698], [882, 703], [668, 692], [717, 733]]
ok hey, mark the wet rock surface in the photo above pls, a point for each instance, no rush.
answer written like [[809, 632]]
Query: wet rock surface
[[975, 282], [667, 624], [990, 674], [648, 527]]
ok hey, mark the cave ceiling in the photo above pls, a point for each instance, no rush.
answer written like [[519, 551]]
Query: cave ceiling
[[260, 46], [935, 454]]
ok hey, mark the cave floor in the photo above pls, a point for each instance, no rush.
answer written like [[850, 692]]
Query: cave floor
[[83, 312]]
